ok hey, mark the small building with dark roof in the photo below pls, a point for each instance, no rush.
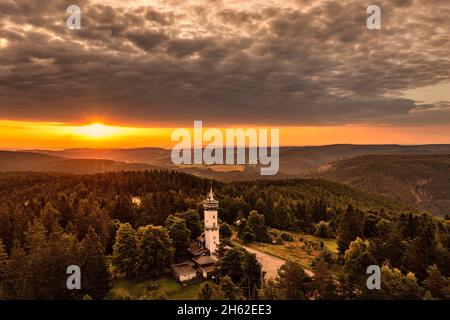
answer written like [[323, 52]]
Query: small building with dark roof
[[184, 271], [206, 265], [197, 246]]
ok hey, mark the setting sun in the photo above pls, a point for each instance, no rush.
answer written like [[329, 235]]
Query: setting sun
[[97, 131]]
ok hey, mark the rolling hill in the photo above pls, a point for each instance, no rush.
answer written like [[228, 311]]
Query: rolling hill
[[151, 156], [23, 161], [419, 180], [294, 161], [32, 161], [419, 176]]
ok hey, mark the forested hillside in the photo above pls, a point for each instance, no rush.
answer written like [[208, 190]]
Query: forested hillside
[[134, 224], [419, 180]]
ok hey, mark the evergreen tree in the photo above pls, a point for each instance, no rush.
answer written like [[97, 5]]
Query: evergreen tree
[[225, 230], [51, 218], [123, 210], [148, 213], [230, 265], [193, 222], [251, 276], [320, 212], [229, 290], [323, 282], [260, 206], [16, 284], [125, 250], [271, 291], [293, 281], [3, 260], [436, 284], [63, 251], [422, 251], [180, 235], [3, 267], [210, 291], [95, 276], [303, 218], [349, 229]]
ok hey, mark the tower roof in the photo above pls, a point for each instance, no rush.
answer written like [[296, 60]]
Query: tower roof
[[210, 202]]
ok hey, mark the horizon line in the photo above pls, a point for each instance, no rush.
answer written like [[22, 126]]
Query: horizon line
[[246, 147]]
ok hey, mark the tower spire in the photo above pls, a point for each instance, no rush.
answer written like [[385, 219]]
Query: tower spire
[[211, 194]]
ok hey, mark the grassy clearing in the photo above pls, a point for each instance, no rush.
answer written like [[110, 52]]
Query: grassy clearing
[[137, 288], [296, 250], [331, 244]]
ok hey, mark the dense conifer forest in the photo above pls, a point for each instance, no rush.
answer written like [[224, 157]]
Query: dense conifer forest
[[131, 224]]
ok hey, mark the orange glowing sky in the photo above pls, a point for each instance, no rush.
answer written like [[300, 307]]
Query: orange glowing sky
[[47, 135]]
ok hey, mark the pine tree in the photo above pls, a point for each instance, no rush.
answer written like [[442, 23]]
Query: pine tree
[[125, 250], [39, 257], [320, 212], [3, 265], [96, 276], [210, 291], [229, 290], [293, 281], [123, 209], [16, 284], [271, 291], [260, 206], [51, 218], [225, 230], [193, 222], [323, 282], [230, 265], [437, 284], [3, 259], [180, 235], [349, 229], [422, 251], [252, 276], [148, 213]]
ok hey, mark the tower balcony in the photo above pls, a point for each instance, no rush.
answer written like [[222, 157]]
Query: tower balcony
[[211, 205]]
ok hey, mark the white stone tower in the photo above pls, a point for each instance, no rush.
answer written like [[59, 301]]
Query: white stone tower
[[211, 225]]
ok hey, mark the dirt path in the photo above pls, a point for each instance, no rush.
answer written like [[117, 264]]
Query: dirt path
[[270, 264]]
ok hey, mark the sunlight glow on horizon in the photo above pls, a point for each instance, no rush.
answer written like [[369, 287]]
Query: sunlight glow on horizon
[[98, 131], [26, 135]]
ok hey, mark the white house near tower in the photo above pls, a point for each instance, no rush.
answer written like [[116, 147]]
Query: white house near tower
[[210, 207]]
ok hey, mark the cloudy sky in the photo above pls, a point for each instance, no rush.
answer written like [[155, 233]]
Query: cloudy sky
[[296, 63]]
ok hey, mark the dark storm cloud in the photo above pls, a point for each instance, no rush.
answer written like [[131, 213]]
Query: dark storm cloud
[[293, 63]]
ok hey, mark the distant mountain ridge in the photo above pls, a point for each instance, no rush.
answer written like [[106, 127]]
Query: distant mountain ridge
[[152, 156], [294, 161], [33, 161]]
